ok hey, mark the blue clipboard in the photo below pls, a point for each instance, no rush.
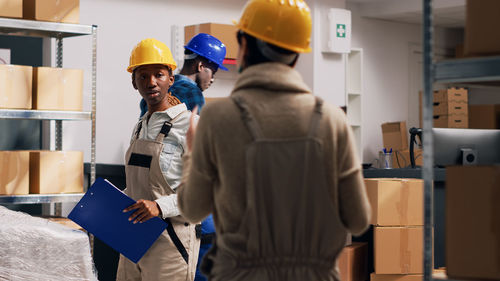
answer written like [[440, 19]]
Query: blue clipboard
[[100, 212]]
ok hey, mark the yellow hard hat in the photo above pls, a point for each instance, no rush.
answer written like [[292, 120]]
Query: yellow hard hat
[[284, 23], [151, 51]]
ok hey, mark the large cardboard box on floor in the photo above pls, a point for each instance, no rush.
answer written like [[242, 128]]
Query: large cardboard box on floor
[[399, 249], [485, 116], [395, 135], [11, 8], [66, 11], [396, 202], [56, 172], [57, 89], [473, 222], [396, 277], [481, 22], [401, 158], [226, 33], [14, 172], [15, 86], [353, 262]]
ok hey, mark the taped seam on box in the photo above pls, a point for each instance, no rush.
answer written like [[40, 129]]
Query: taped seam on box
[[404, 252], [402, 207]]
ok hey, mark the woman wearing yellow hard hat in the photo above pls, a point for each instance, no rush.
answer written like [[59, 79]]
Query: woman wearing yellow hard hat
[[275, 165], [153, 165]]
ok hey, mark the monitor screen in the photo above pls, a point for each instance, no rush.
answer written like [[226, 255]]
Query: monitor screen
[[480, 145]]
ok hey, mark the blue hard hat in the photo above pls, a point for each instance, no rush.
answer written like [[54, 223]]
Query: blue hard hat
[[209, 47]]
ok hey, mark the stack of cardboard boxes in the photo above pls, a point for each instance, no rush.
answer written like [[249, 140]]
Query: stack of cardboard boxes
[[40, 172], [397, 208], [395, 139], [41, 88], [450, 108]]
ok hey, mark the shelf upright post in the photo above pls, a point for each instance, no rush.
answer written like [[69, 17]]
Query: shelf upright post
[[428, 172], [58, 132], [59, 63], [94, 87]]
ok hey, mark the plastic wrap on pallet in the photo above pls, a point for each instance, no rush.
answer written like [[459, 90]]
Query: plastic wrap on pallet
[[37, 249]]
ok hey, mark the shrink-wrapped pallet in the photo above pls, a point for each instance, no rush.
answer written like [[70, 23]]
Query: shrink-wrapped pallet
[[38, 249]]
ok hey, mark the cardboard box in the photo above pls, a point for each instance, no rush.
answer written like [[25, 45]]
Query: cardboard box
[[396, 202], [11, 8], [396, 277], [226, 33], [451, 94], [450, 108], [67, 11], [473, 222], [451, 121], [452, 101], [15, 86], [353, 262], [481, 20], [399, 250], [401, 158], [395, 135], [56, 172], [485, 116], [14, 172], [66, 222], [57, 89]]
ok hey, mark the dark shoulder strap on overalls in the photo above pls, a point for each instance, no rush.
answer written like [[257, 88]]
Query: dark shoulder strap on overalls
[[247, 118], [316, 117], [165, 128]]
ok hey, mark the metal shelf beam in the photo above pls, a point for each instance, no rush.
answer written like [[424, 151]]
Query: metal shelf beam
[[42, 28], [40, 198], [484, 69], [44, 114]]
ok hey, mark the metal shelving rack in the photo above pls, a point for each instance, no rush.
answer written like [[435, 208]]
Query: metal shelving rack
[[59, 31], [484, 70]]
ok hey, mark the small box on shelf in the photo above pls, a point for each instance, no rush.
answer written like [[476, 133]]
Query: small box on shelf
[[485, 116], [57, 89], [224, 32], [11, 8], [14, 172], [15, 86], [56, 172], [67, 11]]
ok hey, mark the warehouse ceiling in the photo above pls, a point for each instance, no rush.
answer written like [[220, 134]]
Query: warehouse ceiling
[[447, 13]]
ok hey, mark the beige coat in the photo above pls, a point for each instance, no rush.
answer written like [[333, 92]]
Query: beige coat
[[215, 172]]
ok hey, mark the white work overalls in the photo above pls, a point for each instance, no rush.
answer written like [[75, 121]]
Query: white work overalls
[[174, 255]]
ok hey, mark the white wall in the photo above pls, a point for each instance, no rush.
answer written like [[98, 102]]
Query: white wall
[[122, 24], [386, 47]]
